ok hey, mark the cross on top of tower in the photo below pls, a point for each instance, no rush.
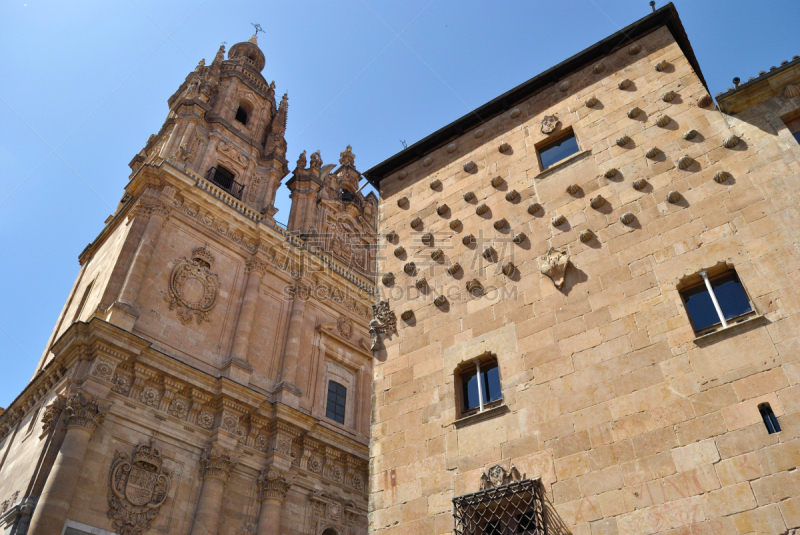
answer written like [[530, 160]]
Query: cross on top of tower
[[257, 27]]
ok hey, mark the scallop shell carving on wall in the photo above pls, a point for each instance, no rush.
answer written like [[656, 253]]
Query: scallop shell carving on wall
[[512, 195], [469, 166], [634, 112], [791, 91], [685, 161], [391, 235], [730, 141], [435, 184], [436, 254], [468, 196], [610, 172], [421, 283], [662, 65], [652, 152], [640, 184], [416, 222], [586, 235], [497, 181], [440, 300], [442, 209], [453, 268], [572, 189], [479, 132], [452, 147], [454, 224], [515, 113], [403, 175], [500, 224], [409, 267], [407, 315], [427, 162], [519, 238], [627, 218], [673, 197], [558, 220], [663, 121], [468, 239], [481, 209], [635, 49], [399, 250], [591, 102], [505, 147], [427, 238], [598, 68], [597, 202], [624, 140], [704, 101], [624, 84], [388, 278], [509, 269], [691, 134], [475, 287], [489, 252], [721, 176], [564, 86], [534, 208], [669, 96], [402, 202]]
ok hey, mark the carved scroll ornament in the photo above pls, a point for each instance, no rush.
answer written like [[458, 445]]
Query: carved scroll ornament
[[137, 489], [193, 288], [554, 265], [383, 321], [85, 411]]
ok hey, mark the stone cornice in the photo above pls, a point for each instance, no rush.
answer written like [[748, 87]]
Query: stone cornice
[[338, 339]]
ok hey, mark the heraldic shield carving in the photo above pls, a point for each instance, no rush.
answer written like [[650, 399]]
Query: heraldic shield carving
[[193, 288], [137, 488]]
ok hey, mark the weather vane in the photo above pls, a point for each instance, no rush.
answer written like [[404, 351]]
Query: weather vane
[[257, 27]]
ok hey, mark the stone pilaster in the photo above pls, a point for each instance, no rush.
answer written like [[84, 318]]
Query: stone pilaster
[[272, 487], [83, 415], [216, 464]]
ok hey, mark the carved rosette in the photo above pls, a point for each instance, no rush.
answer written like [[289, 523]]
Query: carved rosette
[[383, 321], [122, 383], [137, 489], [554, 265], [497, 476], [85, 411], [217, 462], [193, 288], [273, 485], [103, 368]]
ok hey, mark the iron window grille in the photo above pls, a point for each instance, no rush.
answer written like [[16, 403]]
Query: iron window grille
[[225, 180], [716, 301], [337, 401], [514, 508]]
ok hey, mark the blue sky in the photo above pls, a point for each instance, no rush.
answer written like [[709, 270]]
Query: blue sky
[[86, 82]]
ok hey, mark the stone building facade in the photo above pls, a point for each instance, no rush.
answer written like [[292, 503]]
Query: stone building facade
[[185, 388], [595, 283]]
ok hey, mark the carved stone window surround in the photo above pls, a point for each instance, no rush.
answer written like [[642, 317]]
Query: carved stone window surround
[[563, 163]]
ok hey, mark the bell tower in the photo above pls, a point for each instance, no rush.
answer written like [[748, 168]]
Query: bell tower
[[201, 328]]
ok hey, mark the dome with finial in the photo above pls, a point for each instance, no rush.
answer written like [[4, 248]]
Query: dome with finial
[[248, 53]]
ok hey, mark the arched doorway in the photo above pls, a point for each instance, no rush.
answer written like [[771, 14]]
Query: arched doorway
[[330, 531]]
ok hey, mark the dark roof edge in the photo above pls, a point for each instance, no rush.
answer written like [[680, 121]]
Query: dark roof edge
[[723, 96], [664, 16]]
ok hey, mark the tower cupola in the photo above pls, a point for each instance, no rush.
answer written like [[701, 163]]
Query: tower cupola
[[248, 53]]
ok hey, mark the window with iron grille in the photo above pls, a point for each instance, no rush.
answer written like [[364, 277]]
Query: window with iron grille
[[337, 400], [514, 508]]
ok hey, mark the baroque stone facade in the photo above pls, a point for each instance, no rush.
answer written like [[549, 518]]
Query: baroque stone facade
[[597, 378], [184, 389]]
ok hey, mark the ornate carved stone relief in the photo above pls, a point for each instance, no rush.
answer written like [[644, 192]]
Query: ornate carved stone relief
[[217, 462], [85, 411], [137, 489], [273, 484], [193, 288], [330, 510], [549, 124], [497, 476], [384, 321], [554, 265]]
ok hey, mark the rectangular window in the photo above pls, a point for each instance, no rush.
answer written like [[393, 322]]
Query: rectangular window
[[337, 399], [770, 420], [555, 151], [716, 301], [481, 386]]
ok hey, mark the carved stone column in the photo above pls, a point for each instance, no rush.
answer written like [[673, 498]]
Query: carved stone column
[[255, 270], [272, 487], [291, 353], [123, 314], [217, 463], [84, 413]]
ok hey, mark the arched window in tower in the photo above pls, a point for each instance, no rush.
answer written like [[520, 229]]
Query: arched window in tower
[[241, 115]]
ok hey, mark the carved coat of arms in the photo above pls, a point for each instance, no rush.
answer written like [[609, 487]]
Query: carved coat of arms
[[383, 321], [549, 124], [497, 476], [137, 488], [554, 265], [193, 287]]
